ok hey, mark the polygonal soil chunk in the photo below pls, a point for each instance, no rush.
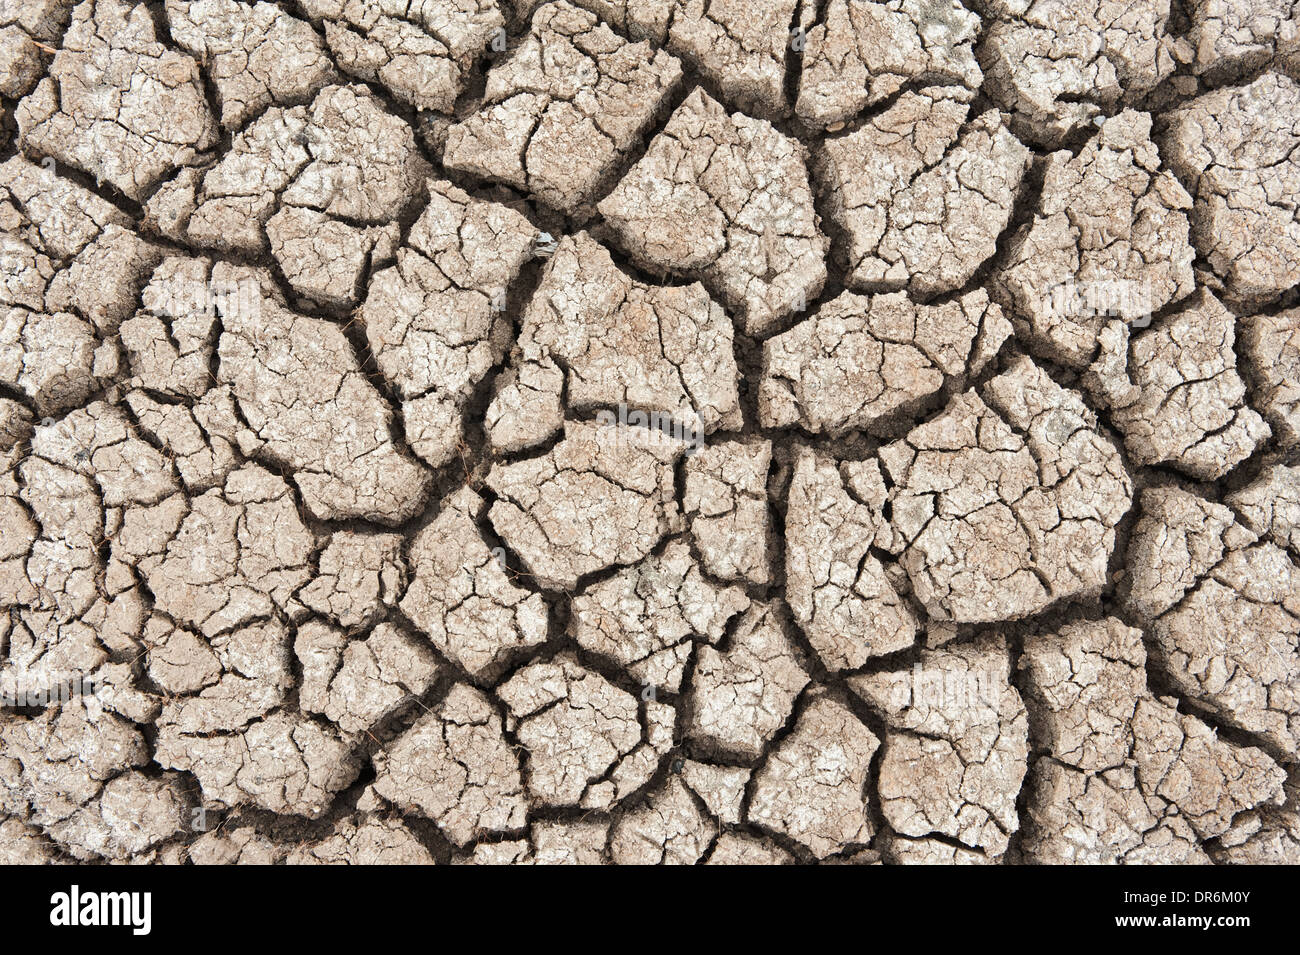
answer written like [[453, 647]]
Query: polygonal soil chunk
[[99, 442], [326, 260], [1240, 35], [21, 844], [922, 193], [1001, 508], [455, 767], [862, 358], [1109, 238], [1178, 540], [1273, 844], [50, 658], [1092, 711], [811, 787], [1082, 684], [957, 747], [344, 156], [421, 53], [569, 843], [616, 341], [285, 763], [15, 423], [55, 527], [839, 592], [506, 852], [604, 495], [237, 552], [256, 676], [62, 217], [1235, 149], [1076, 818], [318, 647], [1057, 64], [720, 788], [370, 680], [739, 848], [69, 273], [254, 54], [901, 850], [28, 31], [301, 389], [648, 617], [669, 828], [1270, 505], [21, 62], [742, 47], [1270, 352], [117, 103], [1184, 762], [1268, 836], [436, 320], [726, 508], [45, 653], [633, 772], [742, 694], [864, 51], [1174, 392], [27, 272], [133, 813], [179, 660], [1223, 611], [564, 109], [198, 441], [358, 576], [117, 685], [235, 846], [725, 198], [101, 283], [577, 731], [57, 360], [1177, 781], [172, 338], [369, 841], [553, 842], [462, 594], [59, 766]]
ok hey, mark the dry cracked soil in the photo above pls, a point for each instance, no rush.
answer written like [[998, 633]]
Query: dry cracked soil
[[650, 431]]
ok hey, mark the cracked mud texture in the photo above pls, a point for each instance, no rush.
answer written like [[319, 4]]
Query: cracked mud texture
[[610, 431]]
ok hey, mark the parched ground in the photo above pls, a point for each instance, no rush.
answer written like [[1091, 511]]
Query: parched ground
[[612, 431]]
